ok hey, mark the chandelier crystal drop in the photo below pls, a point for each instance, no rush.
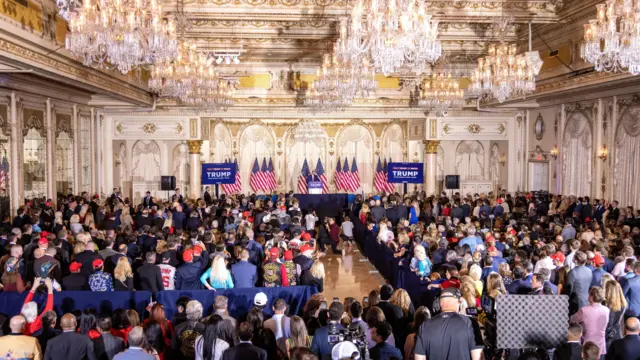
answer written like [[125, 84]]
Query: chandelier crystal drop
[[393, 33], [440, 93], [338, 82], [612, 40], [122, 34], [502, 74], [308, 130]]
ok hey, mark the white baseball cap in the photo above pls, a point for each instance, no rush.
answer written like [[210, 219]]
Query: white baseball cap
[[260, 299], [345, 350]]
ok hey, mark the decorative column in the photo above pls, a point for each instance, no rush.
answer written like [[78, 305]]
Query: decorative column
[[430, 163], [182, 170], [17, 148], [195, 182], [77, 164], [50, 125]]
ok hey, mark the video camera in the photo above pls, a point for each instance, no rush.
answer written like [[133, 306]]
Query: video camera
[[351, 334]]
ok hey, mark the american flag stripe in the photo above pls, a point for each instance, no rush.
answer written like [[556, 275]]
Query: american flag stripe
[[355, 175], [254, 180], [237, 186], [347, 176], [302, 179], [323, 177], [337, 177], [379, 178], [263, 176], [390, 187], [272, 176], [226, 187]]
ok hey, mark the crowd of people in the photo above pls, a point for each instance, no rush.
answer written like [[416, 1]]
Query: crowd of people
[[467, 250]]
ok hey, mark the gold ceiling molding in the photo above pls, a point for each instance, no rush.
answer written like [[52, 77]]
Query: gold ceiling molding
[[225, 39], [302, 23], [582, 80], [149, 128], [79, 73]]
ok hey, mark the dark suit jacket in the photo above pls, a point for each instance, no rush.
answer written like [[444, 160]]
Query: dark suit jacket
[[70, 345], [149, 278], [244, 351], [75, 282], [47, 335], [568, 351], [148, 202], [107, 346], [384, 351], [627, 348], [320, 343], [577, 287], [244, 274], [207, 198]]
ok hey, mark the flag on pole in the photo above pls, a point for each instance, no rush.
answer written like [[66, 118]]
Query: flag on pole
[[389, 187], [265, 182], [379, 181], [346, 175], [237, 186], [226, 187], [355, 175], [337, 177], [272, 176], [254, 180], [4, 172], [302, 180], [323, 177]]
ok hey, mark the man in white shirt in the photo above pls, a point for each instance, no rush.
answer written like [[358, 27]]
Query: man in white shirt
[[574, 245], [279, 323], [545, 262], [310, 222], [618, 270], [168, 272]]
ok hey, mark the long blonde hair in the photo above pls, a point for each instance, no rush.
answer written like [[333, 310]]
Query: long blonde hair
[[317, 270], [401, 298], [219, 269], [495, 286], [416, 206], [468, 290], [614, 295], [123, 269]]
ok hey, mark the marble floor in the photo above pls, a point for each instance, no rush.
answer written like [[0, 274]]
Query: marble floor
[[349, 275]]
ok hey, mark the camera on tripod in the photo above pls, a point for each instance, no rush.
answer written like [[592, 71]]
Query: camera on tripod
[[351, 334]]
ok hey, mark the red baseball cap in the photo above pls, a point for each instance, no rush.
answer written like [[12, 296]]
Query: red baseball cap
[[75, 266], [43, 241], [97, 263], [288, 255], [558, 256], [598, 260], [304, 248], [306, 236], [187, 255], [274, 252], [197, 250]]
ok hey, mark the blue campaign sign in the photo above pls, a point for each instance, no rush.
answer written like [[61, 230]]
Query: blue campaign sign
[[411, 173], [223, 173]]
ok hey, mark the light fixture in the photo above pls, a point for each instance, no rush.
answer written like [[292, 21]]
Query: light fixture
[[503, 159], [554, 152], [440, 93], [603, 153], [612, 40], [393, 33], [122, 34]]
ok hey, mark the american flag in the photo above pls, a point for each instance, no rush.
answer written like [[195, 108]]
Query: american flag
[[4, 172], [337, 177], [389, 186], [272, 176], [226, 187], [355, 176], [379, 181], [237, 186], [323, 177], [254, 180], [346, 175], [265, 178], [302, 180]]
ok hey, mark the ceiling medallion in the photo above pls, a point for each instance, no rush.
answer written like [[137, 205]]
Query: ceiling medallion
[[149, 128], [473, 128]]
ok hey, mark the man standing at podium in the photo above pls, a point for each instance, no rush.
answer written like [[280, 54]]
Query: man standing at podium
[[313, 177]]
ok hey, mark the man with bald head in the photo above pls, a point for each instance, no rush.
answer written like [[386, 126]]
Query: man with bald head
[[69, 344], [18, 345], [627, 348]]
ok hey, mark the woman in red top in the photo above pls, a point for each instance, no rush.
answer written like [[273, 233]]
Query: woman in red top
[[157, 314], [30, 308], [121, 325], [88, 324]]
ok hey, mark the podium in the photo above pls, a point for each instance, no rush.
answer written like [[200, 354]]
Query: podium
[[315, 187]]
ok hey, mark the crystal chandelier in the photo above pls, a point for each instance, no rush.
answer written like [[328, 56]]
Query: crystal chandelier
[[338, 82], [441, 93], [121, 33], [393, 33], [502, 74], [308, 130], [612, 41]]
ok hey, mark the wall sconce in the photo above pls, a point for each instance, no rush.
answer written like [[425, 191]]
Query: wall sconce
[[555, 151], [503, 159], [603, 153]]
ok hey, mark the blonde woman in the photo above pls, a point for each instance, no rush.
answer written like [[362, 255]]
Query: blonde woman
[[89, 220], [217, 276], [364, 211], [617, 305], [75, 225], [58, 223], [468, 290], [420, 263], [123, 275], [125, 217], [401, 299], [475, 272], [314, 276], [495, 286]]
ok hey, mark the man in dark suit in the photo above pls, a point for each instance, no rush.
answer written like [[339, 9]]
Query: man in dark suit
[[572, 349], [147, 202], [518, 285], [578, 283], [149, 276], [313, 177], [245, 350], [107, 345], [627, 348], [76, 281], [320, 344], [393, 314], [243, 272], [69, 344], [207, 196], [179, 218], [383, 350], [49, 331]]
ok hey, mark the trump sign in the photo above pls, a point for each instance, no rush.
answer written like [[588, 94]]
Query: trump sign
[[224, 173], [405, 173]]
